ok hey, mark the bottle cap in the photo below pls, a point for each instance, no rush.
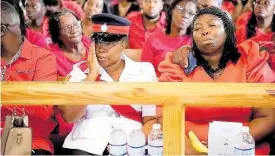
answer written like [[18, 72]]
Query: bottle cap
[[156, 126], [245, 129]]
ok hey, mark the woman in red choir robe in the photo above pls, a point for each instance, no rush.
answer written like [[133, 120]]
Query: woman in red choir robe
[[262, 21], [177, 33], [218, 59], [268, 46]]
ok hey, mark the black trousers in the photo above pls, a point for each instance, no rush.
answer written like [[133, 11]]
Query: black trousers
[[40, 152], [80, 152]]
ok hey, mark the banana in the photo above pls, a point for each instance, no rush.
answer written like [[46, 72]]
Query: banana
[[196, 143]]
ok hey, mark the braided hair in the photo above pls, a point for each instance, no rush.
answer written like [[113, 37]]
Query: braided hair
[[230, 51], [54, 29], [252, 24]]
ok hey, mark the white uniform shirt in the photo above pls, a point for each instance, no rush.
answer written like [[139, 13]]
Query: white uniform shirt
[[92, 132]]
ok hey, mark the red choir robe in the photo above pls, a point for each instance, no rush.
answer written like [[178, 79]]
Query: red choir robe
[[251, 67]]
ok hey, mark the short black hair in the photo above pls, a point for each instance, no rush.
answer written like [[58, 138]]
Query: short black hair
[[100, 37], [230, 51], [170, 14], [52, 2], [54, 24], [15, 4]]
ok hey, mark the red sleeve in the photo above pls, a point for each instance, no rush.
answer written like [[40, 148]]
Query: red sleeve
[[45, 67], [241, 34], [262, 38], [228, 7], [148, 52], [169, 71], [258, 70], [43, 112], [243, 19], [37, 38], [270, 48], [64, 127]]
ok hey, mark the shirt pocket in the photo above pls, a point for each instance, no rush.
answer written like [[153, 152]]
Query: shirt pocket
[[20, 75]]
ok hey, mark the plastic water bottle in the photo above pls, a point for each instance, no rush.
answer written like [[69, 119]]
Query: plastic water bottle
[[155, 141], [245, 144], [136, 142], [118, 142]]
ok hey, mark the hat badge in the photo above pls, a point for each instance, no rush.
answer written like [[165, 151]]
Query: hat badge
[[104, 27]]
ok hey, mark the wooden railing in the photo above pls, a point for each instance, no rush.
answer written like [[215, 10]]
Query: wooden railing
[[173, 96]]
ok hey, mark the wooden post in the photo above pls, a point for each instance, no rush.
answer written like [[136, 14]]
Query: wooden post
[[173, 124], [198, 94], [183, 130]]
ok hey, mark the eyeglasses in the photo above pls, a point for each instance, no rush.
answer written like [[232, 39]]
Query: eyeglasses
[[182, 10], [263, 3], [68, 28]]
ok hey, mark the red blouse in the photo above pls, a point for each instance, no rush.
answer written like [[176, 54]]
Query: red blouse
[[37, 38], [228, 7], [241, 34], [243, 19], [158, 44]]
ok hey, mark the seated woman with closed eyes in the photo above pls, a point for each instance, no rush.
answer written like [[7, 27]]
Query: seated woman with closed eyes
[[218, 59]]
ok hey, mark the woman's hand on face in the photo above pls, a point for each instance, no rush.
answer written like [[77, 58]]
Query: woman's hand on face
[[92, 64], [180, 56]]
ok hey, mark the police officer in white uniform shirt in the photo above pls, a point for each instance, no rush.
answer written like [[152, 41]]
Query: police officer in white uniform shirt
[[93, 123]]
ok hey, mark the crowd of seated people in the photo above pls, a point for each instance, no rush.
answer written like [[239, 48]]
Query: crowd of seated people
[[136, 41]]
